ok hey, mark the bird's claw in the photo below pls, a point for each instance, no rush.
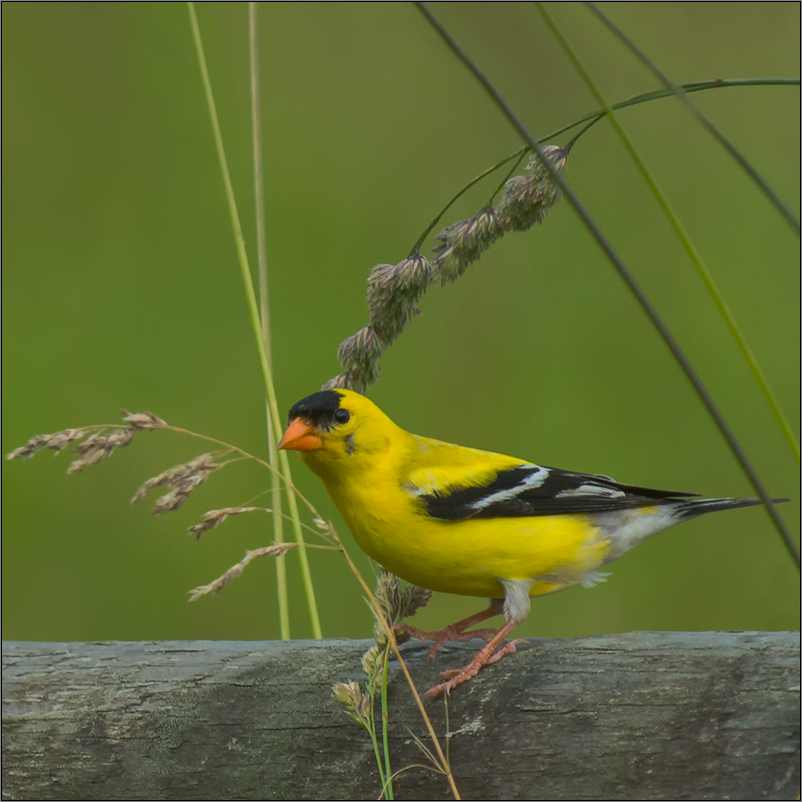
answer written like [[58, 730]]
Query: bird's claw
[[457, 676], [443, 636]]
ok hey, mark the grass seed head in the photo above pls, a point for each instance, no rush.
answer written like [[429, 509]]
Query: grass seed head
[[214, 518], [392, 296], [396, 600], [274, 550], [360, 355], [181, 480], [412, 599], [390, 310], [340, 381], [143, 420], [350, 696], [388, 596], [98, 446], [526, 199], [393, 293], [55, 442], [373, 663], [463, 243]]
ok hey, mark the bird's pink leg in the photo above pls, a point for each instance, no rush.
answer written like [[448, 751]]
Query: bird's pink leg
[[456, 632], [488, 654]]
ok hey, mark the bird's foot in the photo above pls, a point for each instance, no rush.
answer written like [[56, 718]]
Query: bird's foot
[[453, 632], [485, 657], [456, 632]]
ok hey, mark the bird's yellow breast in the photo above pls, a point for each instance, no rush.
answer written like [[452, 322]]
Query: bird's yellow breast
[[466, 557], [377, 475]]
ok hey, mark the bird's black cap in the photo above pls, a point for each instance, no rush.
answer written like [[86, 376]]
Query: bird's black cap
[[318, 408]]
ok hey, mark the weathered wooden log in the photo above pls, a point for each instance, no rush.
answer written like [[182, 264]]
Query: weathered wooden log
[[646, 715]]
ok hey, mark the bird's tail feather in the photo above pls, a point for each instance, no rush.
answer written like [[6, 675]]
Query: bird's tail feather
[[700, 506]]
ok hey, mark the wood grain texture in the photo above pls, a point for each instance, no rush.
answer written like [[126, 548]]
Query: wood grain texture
[[646, 715]]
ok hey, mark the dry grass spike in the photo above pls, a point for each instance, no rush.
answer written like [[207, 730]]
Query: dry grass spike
[[276, 550], [394, 290], [214, 518], [182, 480]]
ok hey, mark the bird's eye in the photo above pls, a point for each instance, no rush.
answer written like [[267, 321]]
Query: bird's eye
[[342, 416]]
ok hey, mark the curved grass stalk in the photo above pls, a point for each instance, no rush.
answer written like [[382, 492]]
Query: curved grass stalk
[[781, 207], [253, 308], [390, 634], [682, 235], [629, 279], [594, 117], [659, 94], [284, 471], [328, 529], [417, 246], [58, 441]]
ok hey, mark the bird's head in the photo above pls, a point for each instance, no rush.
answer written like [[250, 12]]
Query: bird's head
[[337, 428]]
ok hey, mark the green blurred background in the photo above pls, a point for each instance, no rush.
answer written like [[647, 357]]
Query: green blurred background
[[121, 289]]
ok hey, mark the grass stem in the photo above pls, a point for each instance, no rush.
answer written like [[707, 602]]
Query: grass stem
[[629, 279], [388, 785], [390, 633], [264, 313], [682, 235], [253, 309], [781, 207]]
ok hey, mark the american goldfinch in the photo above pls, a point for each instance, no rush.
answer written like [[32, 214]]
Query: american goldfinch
[[460, 520]]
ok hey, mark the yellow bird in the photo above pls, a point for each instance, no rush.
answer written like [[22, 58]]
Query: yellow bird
[[475, 523]]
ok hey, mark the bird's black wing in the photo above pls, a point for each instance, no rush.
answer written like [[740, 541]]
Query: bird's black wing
[[531, 490]]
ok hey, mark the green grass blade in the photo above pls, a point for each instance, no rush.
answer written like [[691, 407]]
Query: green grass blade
[[658, 94], [253, 309], [679, 230], [778, 203], [264, 314], [388, 792], [629, 279]]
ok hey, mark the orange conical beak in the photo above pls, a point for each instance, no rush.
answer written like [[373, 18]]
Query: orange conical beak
[[300, 436]]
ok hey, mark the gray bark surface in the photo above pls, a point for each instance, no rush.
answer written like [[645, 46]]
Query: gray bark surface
[[645, 715]]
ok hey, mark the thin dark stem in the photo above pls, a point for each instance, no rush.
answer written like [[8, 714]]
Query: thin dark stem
[[456, 197], [568, 145], [628, 278], [594, 117], [658, 94], [506, 178], [728, 146]]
